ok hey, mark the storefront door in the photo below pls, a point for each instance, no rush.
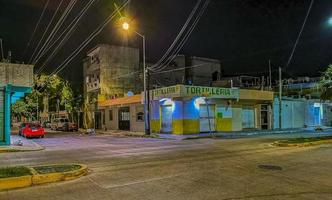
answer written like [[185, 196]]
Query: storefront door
[[248, 117], [166, 119], [207, 118], [124, 118]]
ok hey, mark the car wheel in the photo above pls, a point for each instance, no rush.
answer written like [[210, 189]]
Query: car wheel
[[42, 136]]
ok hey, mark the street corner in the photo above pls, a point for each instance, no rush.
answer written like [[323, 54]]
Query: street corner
[[21, 144], [19, 177]]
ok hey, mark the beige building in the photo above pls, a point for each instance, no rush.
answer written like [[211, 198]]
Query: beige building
[[124, 113]]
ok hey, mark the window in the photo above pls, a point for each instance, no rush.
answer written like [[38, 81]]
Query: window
[[140, 117], [110, 115]]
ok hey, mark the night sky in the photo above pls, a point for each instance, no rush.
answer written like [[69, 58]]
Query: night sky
[[243, 34]]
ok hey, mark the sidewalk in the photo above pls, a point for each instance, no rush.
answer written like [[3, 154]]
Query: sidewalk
[[26, 145], [241, 134], [120, 133]]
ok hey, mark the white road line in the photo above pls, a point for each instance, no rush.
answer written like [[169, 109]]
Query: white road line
[[134, 182]]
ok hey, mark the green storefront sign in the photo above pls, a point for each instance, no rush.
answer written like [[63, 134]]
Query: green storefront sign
[[191, 91]]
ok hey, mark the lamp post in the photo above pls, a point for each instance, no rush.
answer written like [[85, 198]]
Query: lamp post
[[126, 27]]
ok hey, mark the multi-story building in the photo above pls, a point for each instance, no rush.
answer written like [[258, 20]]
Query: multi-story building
[[187, 70], [109, 72]]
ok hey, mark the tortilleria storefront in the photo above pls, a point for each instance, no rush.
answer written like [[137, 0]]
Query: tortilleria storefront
[[185, 109]]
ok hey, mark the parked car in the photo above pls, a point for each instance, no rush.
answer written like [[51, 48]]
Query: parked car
[[47, 124], [72, 126], [60, 124], [30, 130]]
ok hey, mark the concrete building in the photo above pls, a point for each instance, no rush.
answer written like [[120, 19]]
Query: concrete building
[[109, 72], [183, 109], [189, 71], [15, 81], [124, 113], [300, 113]]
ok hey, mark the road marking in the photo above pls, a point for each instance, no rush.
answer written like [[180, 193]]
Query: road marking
[[134, 182]]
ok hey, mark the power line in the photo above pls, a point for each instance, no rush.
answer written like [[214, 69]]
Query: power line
[[87, 41], [194, 10], [185, 38], [300, 33], [73, 27], [36, 27], [58, 25], [46, 30]]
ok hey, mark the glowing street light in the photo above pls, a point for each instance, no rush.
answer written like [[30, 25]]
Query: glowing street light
[[126, 26]]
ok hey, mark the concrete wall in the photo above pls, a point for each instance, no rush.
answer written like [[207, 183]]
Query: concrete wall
[[135, 126], [292, 114], [16, 74]]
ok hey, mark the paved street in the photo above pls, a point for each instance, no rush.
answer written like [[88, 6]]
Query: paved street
[[140, 168]]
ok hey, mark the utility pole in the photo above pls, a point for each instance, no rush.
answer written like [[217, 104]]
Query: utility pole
[[280, 97], [1, 47], [270, 76]]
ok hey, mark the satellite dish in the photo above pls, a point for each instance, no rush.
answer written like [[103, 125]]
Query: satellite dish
[[130, 93]]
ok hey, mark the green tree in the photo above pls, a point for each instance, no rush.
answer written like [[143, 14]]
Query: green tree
[[326, 84], [54, 87]]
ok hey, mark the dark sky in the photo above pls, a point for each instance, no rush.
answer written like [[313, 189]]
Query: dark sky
[[243, 34]]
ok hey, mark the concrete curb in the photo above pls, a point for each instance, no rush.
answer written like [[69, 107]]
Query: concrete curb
[[305, 144], [13, 150], [38, 179]]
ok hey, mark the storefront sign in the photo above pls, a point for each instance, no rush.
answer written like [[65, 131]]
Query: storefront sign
[[215, 92], [191, 91], [167, 92]]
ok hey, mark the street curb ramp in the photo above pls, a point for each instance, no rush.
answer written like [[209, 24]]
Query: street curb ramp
[[38, 179]]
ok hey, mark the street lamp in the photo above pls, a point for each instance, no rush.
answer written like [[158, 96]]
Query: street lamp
[[126, 27]]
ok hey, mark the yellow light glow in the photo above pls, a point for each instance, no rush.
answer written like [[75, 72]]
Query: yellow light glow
[[125, 26]]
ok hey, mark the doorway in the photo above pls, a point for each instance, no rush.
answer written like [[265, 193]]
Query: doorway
[[166, 119], [207, 118], [124, 118]]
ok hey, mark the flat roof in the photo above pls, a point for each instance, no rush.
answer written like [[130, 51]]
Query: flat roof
[[121, 101]]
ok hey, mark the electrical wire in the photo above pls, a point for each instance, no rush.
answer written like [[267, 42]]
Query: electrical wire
[[72, 27], [36, 27], [299, 35], [58, 38], [46, 30], [57, 26], [88, 40], [194, 10], [185, 38]]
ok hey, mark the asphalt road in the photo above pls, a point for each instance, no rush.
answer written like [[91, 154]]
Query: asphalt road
[[138, 168]]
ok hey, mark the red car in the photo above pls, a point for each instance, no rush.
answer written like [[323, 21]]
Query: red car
[[30, 130]]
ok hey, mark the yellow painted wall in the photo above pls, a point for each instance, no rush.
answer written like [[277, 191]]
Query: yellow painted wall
[[186, 126], [191, 126], [224, 124], [155, 126], [177, 127]]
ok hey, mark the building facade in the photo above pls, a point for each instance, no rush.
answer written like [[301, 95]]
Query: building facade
[[109, 72], [185, 109], [126, 113], [188, 70], [15, 81], [300, 113]]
